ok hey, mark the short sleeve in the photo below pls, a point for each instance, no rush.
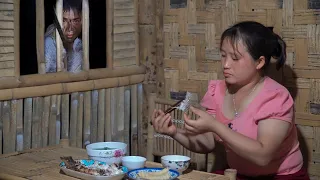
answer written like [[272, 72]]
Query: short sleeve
[[277, 104], [208, 100]]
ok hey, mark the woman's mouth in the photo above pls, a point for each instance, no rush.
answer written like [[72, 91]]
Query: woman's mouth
[[226, 74]]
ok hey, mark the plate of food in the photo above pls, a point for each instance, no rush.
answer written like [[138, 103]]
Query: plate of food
[[153, 173], [88, 169]]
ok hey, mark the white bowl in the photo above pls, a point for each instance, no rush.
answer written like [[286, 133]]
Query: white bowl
[[113, 154], [175, 162], [133, 162]]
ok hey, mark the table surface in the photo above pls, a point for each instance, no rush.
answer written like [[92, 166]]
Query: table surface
[[43, 163]]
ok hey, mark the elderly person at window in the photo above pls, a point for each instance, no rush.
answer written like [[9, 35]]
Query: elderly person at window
[[72, 51]]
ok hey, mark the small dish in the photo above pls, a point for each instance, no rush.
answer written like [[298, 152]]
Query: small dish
[[133, 162], [176, 162], [133, 174]]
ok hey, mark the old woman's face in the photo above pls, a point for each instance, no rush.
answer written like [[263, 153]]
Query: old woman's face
[[72, 24]]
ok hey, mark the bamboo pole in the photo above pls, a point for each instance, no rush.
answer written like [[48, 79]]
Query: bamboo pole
[[151, 102], [40, 35], [16, 8], [85, 34], [65, 77], [59, 7], [109, 14], [10, 177], [65, 88], [136, 17]]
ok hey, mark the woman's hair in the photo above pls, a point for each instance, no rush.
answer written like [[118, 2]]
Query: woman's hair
[[258, 40], [72, 4]]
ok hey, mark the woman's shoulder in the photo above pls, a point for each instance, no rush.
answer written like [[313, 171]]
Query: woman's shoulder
[[213, 84], [272, 85], [275, 95]]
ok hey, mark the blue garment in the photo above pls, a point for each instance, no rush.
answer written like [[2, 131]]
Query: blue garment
[[74, 57]]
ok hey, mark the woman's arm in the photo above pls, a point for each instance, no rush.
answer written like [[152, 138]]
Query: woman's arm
[[271, 133], [201, 143]]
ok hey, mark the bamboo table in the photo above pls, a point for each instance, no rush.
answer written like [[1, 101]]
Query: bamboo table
[[43, 163]]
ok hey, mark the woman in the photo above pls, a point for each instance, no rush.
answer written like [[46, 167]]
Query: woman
[[251, 114]]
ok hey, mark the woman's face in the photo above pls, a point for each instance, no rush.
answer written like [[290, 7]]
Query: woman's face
[[237, 64], [72, 25]]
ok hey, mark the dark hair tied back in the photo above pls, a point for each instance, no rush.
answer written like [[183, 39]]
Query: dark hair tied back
[[280, 52], [259, 41]]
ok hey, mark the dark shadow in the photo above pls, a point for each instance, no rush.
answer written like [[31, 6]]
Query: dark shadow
[[97, 37], [288, 79], [28, 51], [174, 4], [292, 86]]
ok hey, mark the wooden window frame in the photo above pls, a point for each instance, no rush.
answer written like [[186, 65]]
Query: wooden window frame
[[43, 78]]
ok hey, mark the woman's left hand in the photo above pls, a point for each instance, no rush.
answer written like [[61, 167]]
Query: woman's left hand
[[203, 124]]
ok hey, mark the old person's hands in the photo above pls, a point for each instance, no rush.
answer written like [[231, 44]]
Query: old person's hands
[[162, 123], [201, 125]]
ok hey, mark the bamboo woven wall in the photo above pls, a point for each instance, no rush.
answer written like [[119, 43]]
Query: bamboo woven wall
[[191, 52], [6, 38], [84, 117]]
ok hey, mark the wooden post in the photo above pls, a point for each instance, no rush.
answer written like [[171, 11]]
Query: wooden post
[[109, 36], [159, 49], [40, 35], [136, 16], [16, 16], [59, 13], [151, 102], [85, 34]]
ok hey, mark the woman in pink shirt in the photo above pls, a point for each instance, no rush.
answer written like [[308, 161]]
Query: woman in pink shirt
[[251, 114]]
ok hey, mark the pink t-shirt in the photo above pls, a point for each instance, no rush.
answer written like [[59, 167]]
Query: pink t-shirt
[[272, 102]]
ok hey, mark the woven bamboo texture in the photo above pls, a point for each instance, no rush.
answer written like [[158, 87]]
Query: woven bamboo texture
[[44, 163], [190, 48], [7, 33], [84, 117]]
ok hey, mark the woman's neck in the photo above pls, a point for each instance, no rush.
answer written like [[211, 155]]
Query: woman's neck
[[244, 89]]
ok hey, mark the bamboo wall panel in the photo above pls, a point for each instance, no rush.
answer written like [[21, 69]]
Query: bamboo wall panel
[[125, 33], [83, 117], [7, 38], [190, 49]]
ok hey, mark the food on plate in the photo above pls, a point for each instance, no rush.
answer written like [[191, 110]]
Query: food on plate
[[91, 167], [159, 175]]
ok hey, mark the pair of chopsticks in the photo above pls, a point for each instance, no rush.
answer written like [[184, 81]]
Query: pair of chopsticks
[[171, 108]]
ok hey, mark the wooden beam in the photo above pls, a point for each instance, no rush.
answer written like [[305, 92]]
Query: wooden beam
[[40, 22]]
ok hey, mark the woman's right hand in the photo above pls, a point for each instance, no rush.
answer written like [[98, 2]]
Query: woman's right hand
[[163, 123]]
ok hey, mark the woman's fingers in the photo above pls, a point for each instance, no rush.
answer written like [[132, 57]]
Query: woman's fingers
[[190, 129], [188, 121], [155, 115], [162, 121]]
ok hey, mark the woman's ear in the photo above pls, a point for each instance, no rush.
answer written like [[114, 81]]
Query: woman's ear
[[260, 62]]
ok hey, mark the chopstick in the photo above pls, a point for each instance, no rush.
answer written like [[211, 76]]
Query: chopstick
[[170, 109]]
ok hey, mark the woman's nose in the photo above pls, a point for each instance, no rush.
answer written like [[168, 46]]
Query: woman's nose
[[226, 63]]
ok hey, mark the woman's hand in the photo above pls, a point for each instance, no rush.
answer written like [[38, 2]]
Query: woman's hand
[[203, 124], [162, 123]]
